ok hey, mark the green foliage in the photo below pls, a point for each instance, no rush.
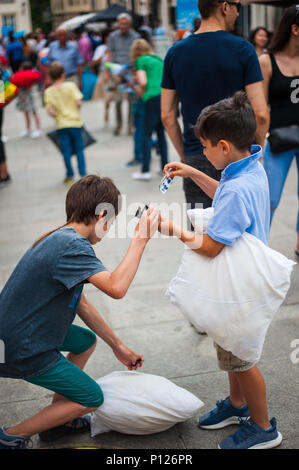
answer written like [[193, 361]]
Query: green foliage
[[41, 15]]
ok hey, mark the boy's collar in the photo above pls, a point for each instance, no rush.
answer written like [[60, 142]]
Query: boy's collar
[[240, 165]]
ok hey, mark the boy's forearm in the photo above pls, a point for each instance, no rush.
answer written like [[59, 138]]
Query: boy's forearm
[[201, 244], [125, 272], [51, 112], [205, 182], [91, 317], [191, 239]]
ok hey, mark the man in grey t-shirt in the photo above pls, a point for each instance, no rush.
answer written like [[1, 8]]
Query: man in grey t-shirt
[[119, 46]]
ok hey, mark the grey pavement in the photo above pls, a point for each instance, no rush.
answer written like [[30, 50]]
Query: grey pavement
[[144, 319]]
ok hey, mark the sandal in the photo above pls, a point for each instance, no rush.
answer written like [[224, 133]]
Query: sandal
[[77, 425]]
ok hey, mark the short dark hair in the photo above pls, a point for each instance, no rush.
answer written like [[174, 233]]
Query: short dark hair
[[83, 199], [207, 7], [231, 119], [56, 70]]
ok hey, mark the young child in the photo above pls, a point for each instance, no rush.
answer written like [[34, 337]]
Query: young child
[[49, 279], [63, 100], [26, 104], [241, 204]]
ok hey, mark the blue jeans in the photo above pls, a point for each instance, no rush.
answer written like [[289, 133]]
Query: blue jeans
[[71, 142], [138, 123], [153, 123], [277, 167]]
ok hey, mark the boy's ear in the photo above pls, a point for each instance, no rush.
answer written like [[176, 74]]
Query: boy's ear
[[102, 214], [225, 146]]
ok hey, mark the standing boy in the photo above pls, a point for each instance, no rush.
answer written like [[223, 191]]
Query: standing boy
[[63, 100], [241, 204]]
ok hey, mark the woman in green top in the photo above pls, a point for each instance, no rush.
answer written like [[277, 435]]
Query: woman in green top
[[149, 76]]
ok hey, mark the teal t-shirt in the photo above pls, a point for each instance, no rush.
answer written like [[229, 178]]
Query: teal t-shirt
[[40, 299], [153, 66]]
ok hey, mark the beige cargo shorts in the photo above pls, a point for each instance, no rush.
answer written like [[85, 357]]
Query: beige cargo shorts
[[230, 363]]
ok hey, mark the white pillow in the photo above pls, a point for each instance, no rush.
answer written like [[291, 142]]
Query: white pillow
[[234, 296], [137, 403]]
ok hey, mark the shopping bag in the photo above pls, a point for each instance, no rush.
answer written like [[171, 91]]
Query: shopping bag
[[234, 296], [8, 92], [136, 403], [88, 139]]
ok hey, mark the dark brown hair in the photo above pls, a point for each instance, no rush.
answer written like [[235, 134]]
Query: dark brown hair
[[207, 8], [283, 32], [84, 199], [231, 119], [56, 70]]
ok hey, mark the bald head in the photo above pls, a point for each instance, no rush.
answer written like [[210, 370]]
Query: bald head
[[62, 36]]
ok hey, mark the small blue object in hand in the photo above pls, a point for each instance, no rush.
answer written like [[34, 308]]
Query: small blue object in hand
[[165, 183]]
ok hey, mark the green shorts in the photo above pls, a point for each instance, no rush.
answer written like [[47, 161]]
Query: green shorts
[[68, 380]]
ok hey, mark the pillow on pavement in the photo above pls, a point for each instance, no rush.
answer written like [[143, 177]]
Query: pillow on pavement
[[137, 403]]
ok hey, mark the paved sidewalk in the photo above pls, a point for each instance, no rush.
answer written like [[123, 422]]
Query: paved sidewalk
[[144, 319]]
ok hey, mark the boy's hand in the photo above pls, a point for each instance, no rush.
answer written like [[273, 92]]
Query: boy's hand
[[177, 169], [148, 224], [51, 111], [127, 357]]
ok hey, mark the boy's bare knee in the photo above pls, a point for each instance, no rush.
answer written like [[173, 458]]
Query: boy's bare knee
[[89, 410], [86, 409]]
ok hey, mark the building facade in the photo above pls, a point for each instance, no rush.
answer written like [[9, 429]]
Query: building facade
[[164, 10], [63, 10], [16, 13]]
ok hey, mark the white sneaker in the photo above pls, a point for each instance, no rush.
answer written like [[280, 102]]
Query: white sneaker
[[36, 134], [142, 176], [24, 133], [4, 139]]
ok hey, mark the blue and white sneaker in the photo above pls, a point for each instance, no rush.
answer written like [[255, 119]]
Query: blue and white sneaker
[[223, 415], [252, 436], [8, 441]]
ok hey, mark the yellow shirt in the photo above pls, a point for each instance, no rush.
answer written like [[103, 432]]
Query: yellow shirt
[[63, 100]]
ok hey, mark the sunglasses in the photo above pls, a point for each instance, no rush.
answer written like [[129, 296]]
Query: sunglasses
[[297, 15], [237, 4]]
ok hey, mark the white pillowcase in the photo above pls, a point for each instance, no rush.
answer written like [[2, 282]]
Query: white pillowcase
[[137, 403]]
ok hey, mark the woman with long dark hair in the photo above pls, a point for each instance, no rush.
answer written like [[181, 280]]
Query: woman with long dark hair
[[281, 84]]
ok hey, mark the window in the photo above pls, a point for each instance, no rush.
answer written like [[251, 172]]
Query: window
[[59, 4], [8, 20]]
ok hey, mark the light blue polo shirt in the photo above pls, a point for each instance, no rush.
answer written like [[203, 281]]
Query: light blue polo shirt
[[69, 56], [241, 202]]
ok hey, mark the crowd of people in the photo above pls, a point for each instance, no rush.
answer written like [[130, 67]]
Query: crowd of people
[[221, 85], [137, 80]]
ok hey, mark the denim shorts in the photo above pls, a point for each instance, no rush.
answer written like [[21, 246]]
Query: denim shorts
[[230, 363], [68, 380]]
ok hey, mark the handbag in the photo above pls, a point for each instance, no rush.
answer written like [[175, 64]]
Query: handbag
[[88, 139], [8, 91], [283, 139]]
